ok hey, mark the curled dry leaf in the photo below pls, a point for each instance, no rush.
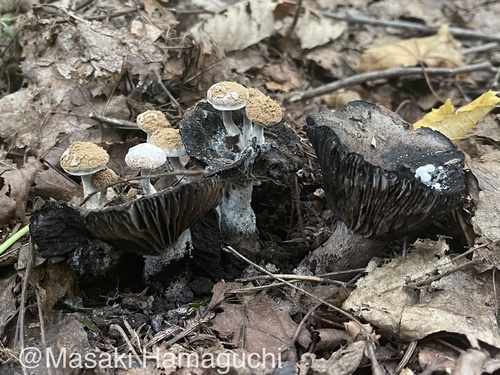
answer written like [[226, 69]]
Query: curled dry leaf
[[440, 50], [456, 124]]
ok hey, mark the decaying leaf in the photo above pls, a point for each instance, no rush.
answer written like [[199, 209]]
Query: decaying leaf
[[268, 325], [457, 303], [314, 30], [238, 26], [437, 50], [456, 124], [245, 23]]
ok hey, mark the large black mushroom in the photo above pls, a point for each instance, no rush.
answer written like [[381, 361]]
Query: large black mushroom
[[382, 181], [149, 226]]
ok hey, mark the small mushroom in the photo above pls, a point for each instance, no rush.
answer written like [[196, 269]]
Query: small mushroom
[[102, 179], [373, 191], [84, 159], [145, 157], [227, 97], [151, 121], [260, 112], [170, 141]]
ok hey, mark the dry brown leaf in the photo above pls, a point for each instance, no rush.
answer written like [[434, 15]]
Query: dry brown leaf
[[267, 322], [8, 300], [343, 361], [457, 303], [237, 27], [456, 124], [440, 50], [313, 29]]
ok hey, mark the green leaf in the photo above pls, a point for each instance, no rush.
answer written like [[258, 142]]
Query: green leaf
[[10, 31]]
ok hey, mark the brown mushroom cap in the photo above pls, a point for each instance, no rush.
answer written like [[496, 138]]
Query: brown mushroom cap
[[104, 178], [373, 189], [82, 158], [151, 121], [262, 109], [227, 96], [169, 140]]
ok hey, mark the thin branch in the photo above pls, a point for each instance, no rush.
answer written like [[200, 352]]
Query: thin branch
[[386, 74], [455, 31]]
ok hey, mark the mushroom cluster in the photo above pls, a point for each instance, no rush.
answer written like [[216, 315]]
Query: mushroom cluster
[[234, 116]]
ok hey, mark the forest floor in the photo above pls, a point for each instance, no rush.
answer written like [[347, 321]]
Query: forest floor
[[72, 71]]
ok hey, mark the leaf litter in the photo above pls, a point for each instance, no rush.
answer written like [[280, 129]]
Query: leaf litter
[[117, 67]]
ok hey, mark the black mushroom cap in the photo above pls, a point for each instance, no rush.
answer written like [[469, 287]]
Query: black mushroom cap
[[368, 158], [148, 225], [145, 226]]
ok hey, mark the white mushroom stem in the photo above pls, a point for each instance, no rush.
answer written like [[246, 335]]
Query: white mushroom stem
[[231, 128], [247, 131], [237, 218], [88, 188], [258, 132], [153, 265], [147, 187]]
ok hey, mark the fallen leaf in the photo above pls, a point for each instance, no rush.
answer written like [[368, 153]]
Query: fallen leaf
[[456, 124], [8, 299], [440, 50], [313, 29], [343, 361], [267, 325], [236, 27], [456, 303]]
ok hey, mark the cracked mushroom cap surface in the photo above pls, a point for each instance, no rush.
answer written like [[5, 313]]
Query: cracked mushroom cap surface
[[82, 158], [170, 141], [227, 96], [369, 157], [262, 109], [145, 156], [151, 121]]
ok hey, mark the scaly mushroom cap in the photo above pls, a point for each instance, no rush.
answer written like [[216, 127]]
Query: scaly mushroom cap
[[148, 225], [103, 178], [369, 156], [227, 96], [170, 141], [151, 121], [263, 110], [145, 156], [82, 158]]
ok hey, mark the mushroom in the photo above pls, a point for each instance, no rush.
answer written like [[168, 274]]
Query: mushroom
[[372, 191], [170, 141], [260, 112], [84, 159], [227, 97], [102, 179], [152, 226], [145, 157], [151, 121]]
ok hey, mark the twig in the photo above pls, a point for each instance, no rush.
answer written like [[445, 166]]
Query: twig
[[430, 280], [118, 328], [230, 250], [127, 180], [123, 124], [455, 31], [385, 74], [406, 357], [289, 32], [294, 278]]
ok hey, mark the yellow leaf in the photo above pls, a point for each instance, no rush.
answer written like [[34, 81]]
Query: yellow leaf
[[440, 50], [455, 124]]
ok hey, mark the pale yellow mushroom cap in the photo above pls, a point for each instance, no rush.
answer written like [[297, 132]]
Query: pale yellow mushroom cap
[[104, 178], [262, 109], [82, 158], [151, 121], [227, 96], [170, 141]]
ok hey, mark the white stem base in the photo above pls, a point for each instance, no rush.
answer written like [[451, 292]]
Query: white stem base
[[153, 265]]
